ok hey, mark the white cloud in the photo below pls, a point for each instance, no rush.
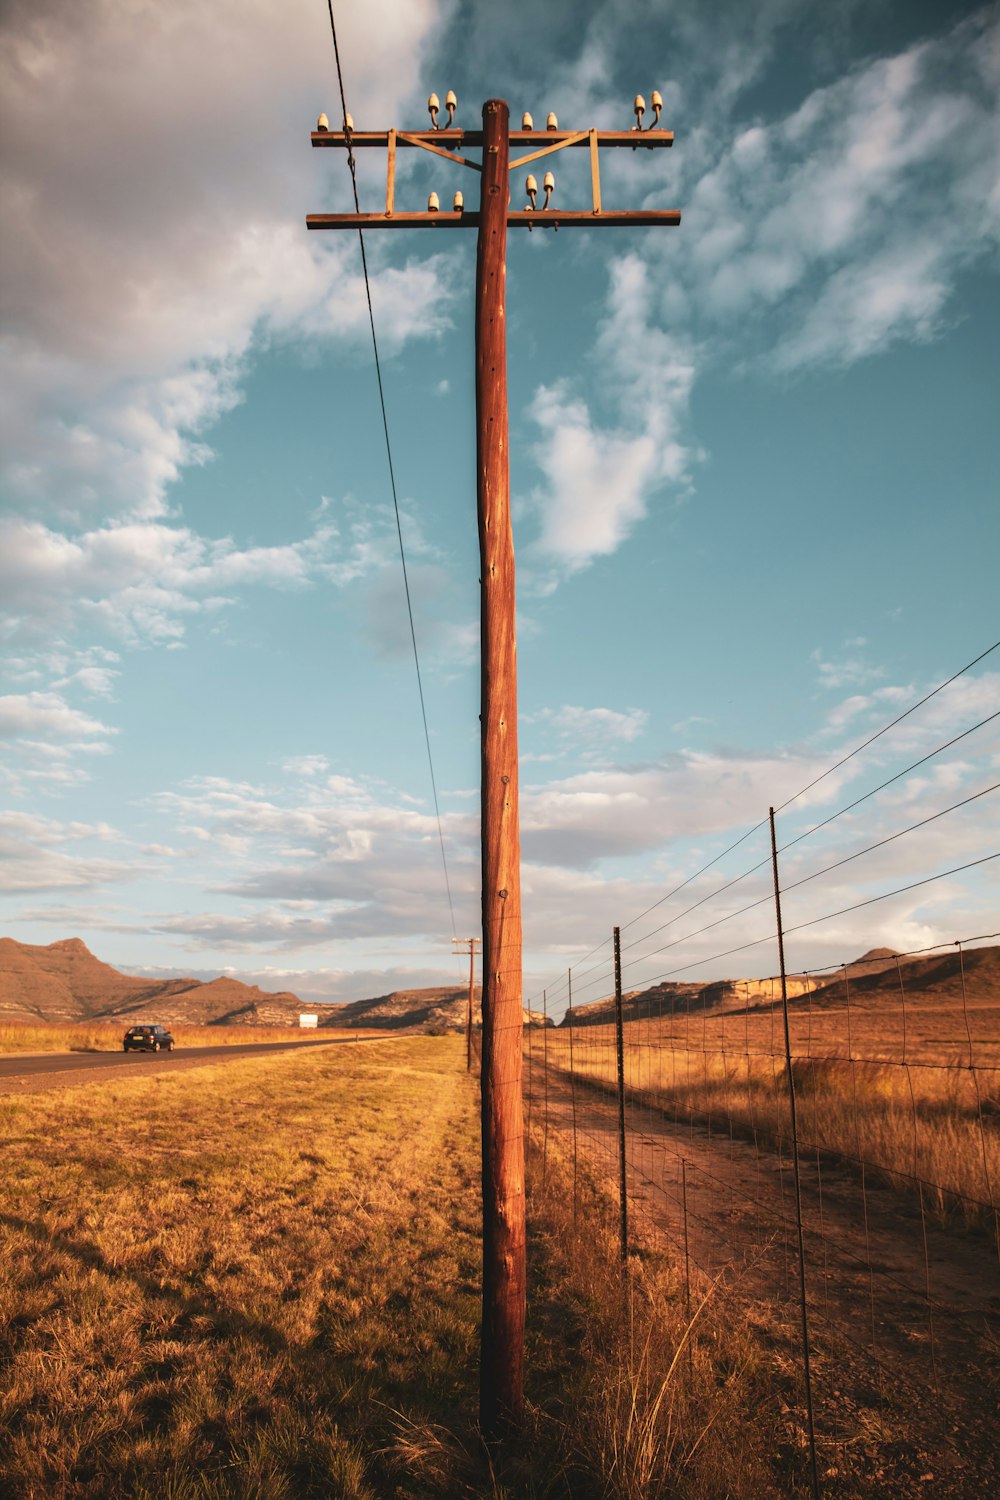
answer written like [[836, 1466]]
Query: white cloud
[[822, 216], [142, 580], [306, 765], [805, 241], [848, 672], [47, 714], [601, 477], [126, 139], [33, 856], [593, 726]]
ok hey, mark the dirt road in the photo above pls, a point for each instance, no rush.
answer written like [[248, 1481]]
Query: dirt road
[[902, 1310]]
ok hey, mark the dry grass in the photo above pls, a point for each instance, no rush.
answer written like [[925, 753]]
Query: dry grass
[[223, 1283], [262, 1280], [655, 1406], [106, 1036], [906, 1103]]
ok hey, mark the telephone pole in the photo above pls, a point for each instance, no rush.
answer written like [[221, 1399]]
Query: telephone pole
[[501, 1390], [473, 943]]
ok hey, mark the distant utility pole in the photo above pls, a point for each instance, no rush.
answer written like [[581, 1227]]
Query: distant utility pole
[[501, 1392], [473, 943]]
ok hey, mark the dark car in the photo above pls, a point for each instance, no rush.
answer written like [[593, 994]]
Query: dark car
[[148, 1039]]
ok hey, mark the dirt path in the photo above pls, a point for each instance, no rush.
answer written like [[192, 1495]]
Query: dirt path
[[903, 1312]]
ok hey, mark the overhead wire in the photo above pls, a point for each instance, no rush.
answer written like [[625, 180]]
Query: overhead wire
[[352, 165], [825, 823], [828, 916], [794, 885], [689, 880]]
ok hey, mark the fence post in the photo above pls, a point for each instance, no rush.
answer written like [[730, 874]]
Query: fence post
[[813, 1471], [545, 1083], [572, 1080], [687, 1263], [619, 1036], [529, 1072]]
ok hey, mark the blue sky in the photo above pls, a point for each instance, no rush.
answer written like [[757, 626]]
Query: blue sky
[[754, 469]]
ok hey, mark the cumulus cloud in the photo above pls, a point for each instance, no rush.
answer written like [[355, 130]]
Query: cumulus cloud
[[819, 217], [118, 358], [600, 475], [592, 728], [25, 715], [142, 580], [805, 241], [34, 855]]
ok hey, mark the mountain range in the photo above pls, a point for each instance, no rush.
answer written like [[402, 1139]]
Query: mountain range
[[874, 979], [64, 982]]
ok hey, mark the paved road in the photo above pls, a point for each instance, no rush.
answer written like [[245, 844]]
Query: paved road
[[25, 1065]]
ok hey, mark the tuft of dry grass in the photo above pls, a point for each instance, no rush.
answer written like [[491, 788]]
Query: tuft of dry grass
[[655, 1405]]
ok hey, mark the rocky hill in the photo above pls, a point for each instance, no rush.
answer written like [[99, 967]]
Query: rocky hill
[[672, 998], [65, 982], [944, 979], [874, 981], [444, 1009]]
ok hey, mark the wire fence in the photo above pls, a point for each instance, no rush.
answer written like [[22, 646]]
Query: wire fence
[[893, 1070], [822, 1145]]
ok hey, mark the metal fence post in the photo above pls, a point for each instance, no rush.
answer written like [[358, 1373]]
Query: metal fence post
[[814, 1472], [619, 1036]]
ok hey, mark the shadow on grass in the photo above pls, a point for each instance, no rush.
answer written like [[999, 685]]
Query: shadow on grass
[[224, 1321]]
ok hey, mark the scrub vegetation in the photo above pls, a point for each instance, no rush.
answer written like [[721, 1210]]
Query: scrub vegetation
[[908, 1105], [262, 1279]]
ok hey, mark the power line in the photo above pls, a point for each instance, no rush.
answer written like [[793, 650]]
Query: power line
[[828, 772], [800, 793], [352, 164], [885, 729], [814, 921], [815, 829], [740, 911]]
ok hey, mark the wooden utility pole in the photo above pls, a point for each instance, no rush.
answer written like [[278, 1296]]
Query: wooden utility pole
[[501, 1395], [504, 1271], [473, 943]]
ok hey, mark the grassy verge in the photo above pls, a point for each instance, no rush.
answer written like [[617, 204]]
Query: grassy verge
[[230, 1282], [262, 1280], [104, 1036], [637, 1397]]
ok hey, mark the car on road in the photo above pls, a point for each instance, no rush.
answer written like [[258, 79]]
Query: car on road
[[148, 1039]]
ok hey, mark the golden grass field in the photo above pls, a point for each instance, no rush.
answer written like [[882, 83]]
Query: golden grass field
[[905, 1101], [105, 1036], [260, 1279]]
